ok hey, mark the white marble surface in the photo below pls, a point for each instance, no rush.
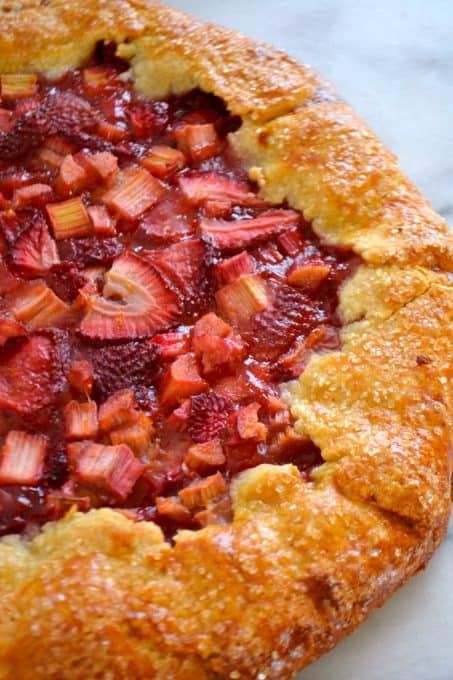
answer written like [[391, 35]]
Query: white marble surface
[[393, 60]]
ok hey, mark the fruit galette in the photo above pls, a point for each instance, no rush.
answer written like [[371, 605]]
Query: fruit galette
[[225, 353]]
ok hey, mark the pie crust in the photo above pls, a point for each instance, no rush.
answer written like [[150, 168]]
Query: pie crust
[[98, 596]]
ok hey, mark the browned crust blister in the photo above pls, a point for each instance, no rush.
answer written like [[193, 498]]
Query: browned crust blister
[[97, 596]]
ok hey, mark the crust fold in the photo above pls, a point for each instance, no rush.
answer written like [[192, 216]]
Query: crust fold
[[302, 564]]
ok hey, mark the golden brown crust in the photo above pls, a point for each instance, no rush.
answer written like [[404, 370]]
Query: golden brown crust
[[302, 564]]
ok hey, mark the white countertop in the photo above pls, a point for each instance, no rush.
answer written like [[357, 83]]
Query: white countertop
[[393, 60]]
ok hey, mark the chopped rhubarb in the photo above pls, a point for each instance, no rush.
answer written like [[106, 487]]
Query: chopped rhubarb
[[198, 142], [118, 410], [242, 233], [103, 165], [35, 251], [81, 420], [322, 338], [163, 161], [97, 78], [36, 195], [178, 419], [198, 494], [112, 469], [135, 192], [103, 224], [136, 302], [234, 267], [69, 219], [206, 189], [182, 380], [9, 328], [219, 511], [171, 345], [216, 344], [72, 177], [241, 300], [37, 306], [248, 424], [137, 435], [290, 242], [22, 458], [308, 274], [18, 85], [111, 132], [81, 376], [206, 456], [209, 415], [171, 508]]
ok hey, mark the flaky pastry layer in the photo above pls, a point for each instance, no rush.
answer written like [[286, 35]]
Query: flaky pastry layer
[[302, 564]]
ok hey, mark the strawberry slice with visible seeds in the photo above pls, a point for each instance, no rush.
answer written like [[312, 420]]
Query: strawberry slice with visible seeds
[[27, 381], [242, 233], [119, 366], [182, 264], [204, 189], [8, 282], [170, 220], [209, 415], [112, 469], [35, 251], [136, 302], [9, 328], [22, 458], [66, 280], [91, 251], [81, 376]]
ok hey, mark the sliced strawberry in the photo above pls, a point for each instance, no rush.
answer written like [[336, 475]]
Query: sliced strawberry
[[181, 380], [243, 299], [8, 282], [81, 376], [135, 192], [136, 435], [242, 233], [27, 381], [36, 195], [182, 263], [216, 344], [267, 254], [103, 224], [117, 367], [18, 85], [178, 419], [36, 305], [91, 251], [118, 410], [81, 420], [170, 220], [209, 415], [171, 345], [146, 304], [308, 274], [236, 387], [163, 161], [234, 267], [22, 458], [35, 251], [66, 280], [198, 142], [218, 193], [204, 457], [111, 469], [147, 118], [198, 494]]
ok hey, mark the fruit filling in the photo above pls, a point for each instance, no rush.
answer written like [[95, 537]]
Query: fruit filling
[[152, 305]]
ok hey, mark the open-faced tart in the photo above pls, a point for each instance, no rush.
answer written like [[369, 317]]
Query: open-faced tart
[[225, 362]]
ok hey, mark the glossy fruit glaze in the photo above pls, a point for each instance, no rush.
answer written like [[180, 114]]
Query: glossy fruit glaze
[[151, 304]]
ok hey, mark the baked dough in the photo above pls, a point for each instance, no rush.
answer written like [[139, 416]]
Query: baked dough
[[97, 596]]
